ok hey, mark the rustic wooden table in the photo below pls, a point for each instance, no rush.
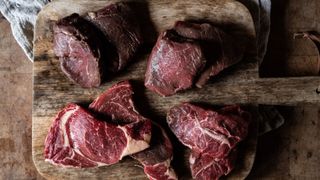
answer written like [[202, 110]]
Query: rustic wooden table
[[290, 152], [15, 109]]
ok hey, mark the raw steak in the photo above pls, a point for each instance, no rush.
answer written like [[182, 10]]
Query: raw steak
[[157, 158], [174, 64], [220, 48], [187, 55], [79, 48], [211, 135], [119, 24], [117, 104], [78, 139]]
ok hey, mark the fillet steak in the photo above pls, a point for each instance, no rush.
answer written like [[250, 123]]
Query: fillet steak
[[189, 54], [220, 48], [119, 24], [212, 136], [77, 139], [173, 64], [79, 48], [117, 104]]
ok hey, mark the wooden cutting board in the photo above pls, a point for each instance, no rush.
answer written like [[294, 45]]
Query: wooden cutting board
[[239, 84]]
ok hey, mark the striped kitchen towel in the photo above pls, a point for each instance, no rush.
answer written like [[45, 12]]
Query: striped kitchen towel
[[22, 16]]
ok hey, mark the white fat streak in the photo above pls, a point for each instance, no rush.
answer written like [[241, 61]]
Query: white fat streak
[[134, 146], [62, 125], [220, 137], [192, 159], [223, 139]]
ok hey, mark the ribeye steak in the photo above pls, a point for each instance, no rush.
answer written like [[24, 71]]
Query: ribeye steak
[[117, 104], [79, 139], [211, 135]]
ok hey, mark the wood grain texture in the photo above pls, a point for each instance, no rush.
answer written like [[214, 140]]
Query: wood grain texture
[[15, 109], [239, 84], [287, 56]]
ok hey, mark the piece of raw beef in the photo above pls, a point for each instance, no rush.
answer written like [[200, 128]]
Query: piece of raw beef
[[211, 135], [221, 49], [173, 64], [189, 54], [157, 158], [120, 25], [78, 139], [79, 48], [117, 104]]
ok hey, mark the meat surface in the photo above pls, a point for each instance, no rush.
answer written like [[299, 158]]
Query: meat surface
[[119, 24], [79, 48], [157, 158], [189, 54], [173, 64], [204, 166], [78, 139], [117, 104], [220, 48], [212, 136]]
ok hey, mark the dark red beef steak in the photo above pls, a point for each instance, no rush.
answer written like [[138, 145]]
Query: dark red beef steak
[[117, 104], [212, 136], [189, 54], [173, 64], [78, 139], [119, 24], [220, 48], [79, 49], [157, 158]]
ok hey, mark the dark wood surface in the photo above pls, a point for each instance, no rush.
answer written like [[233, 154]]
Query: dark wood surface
[[52, 90], [15, 109]]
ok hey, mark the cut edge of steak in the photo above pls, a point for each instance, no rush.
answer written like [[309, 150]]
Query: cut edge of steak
[[173, 64], [79, 48], [157, 158], [211, 135], [119, 24]]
